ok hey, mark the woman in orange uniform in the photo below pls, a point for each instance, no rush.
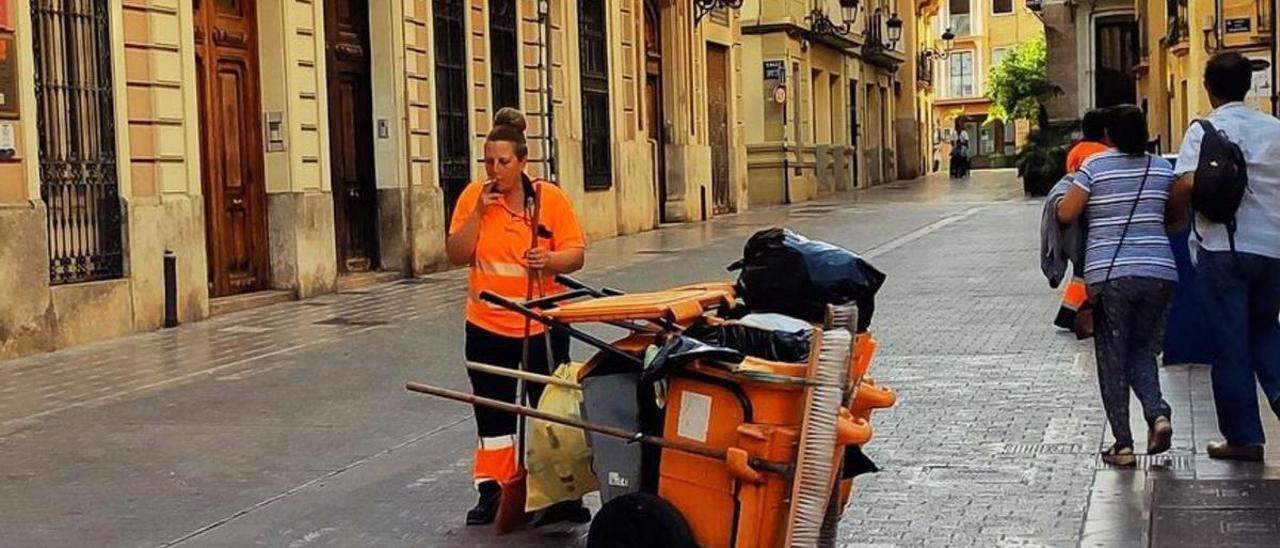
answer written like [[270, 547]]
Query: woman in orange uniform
[[490, 231]]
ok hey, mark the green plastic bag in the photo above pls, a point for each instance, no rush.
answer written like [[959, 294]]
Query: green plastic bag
[[557, 457]]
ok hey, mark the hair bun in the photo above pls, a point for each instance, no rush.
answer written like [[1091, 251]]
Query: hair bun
[[508, 116]]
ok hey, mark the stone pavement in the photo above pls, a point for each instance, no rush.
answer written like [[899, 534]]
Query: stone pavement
[[289, 425]]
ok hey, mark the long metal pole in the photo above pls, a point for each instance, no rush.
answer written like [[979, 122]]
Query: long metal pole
[[612, 431]]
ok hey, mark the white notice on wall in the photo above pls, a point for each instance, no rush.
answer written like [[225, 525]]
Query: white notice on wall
[[695, 416], [7, 138], [1261, 89]]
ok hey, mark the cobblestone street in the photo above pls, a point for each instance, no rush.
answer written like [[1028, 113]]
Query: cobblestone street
[[289, 425]]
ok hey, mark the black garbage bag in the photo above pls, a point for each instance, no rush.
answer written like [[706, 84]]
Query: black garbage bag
[[768, 336], [680, 350], [784, 272]]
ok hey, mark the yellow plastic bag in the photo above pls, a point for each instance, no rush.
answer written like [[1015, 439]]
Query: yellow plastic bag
[[557, 457]]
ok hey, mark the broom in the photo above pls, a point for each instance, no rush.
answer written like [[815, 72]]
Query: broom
[[511, 507], [811, 487]]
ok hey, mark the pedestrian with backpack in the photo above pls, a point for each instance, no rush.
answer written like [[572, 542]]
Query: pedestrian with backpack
[[1229, 171], [1129, 272]]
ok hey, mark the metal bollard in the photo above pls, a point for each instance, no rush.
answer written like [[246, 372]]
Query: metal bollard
[[170, 288]]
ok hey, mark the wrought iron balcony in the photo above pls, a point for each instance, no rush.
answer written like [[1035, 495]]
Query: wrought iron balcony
[[924, 70], [1179, 31]]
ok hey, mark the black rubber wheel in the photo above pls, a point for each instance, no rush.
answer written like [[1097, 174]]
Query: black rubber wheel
[[639, 520]]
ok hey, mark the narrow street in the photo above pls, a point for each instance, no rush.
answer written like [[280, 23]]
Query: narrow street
[[289, 425]]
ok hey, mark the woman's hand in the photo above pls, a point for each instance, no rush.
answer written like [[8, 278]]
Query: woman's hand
[[489, 196], [565, 261], [537, 258]]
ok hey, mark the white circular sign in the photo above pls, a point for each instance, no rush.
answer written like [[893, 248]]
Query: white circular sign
[[780, 94]]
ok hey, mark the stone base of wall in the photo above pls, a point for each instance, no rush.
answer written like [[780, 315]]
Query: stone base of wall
[[303, 252]]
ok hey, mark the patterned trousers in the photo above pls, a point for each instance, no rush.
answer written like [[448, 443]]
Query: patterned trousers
[[1130, 316]]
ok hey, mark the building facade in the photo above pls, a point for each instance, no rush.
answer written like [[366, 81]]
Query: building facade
[[1175, 43], [821, 88], [985, 30], [1152, 53], [918, 128], [282, 148]]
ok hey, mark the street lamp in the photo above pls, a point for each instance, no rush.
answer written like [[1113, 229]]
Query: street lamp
[[948, 40], [849, 9], [821, 24], [895, 29], [704, 7]]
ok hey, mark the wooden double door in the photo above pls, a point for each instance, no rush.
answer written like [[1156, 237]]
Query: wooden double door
[[228, 84], [231, 145], [718, 126]]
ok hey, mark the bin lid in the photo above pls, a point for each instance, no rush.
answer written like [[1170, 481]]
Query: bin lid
[[678, 305]]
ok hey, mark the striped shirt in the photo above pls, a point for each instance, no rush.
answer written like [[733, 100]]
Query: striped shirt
[[1112, 180]]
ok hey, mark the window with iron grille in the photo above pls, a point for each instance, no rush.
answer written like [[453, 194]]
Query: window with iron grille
[[504, 65], [76, 123], [593, 60], [453, 152]]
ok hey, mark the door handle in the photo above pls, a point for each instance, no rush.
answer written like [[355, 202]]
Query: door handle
[[237, 201]]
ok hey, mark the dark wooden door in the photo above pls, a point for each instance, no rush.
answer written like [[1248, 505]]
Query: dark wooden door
[[853, 129], [718, 122], [231, 145], [655, 120], [1117, 54], [355, 194], [453, 139]]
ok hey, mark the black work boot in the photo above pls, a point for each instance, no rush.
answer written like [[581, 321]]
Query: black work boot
[[487, 507], [567, 513]]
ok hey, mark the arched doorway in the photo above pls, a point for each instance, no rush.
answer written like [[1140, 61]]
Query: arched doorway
[[654, 119]]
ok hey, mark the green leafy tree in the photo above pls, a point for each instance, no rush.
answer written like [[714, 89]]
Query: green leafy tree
[[1019, 86]]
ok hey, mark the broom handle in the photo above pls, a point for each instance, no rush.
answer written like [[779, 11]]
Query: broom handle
[[613, 431], [523, 375]]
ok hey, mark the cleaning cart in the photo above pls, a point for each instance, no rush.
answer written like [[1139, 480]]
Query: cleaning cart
[[709, 445]]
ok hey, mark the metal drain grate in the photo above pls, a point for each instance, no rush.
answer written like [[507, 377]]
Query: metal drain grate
[[1041, 449], [348, 321], [1155, 463]]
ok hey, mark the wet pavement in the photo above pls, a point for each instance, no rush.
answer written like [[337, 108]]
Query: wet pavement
[[289, 425]]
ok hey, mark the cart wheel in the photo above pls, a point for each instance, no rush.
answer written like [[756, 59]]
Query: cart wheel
[[639, 520]]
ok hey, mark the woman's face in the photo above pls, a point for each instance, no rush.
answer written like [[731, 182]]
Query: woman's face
[[502, 166]]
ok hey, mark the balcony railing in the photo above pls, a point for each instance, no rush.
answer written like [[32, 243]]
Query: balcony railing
[[1179, 31], [924, 69]]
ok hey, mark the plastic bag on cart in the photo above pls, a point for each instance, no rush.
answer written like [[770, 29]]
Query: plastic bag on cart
[[773, 337], [557, 457], [783, 271], [680, 350]]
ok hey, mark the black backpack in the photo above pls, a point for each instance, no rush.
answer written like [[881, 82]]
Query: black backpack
[[1222, 178]]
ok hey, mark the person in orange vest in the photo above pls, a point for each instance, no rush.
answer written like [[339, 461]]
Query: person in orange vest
[[490, 232], [1075, 312]]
